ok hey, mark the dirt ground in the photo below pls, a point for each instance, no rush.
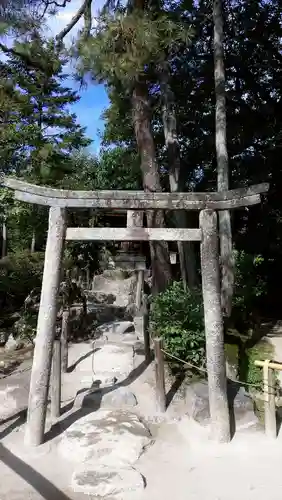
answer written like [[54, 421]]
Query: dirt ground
[[181, 463]]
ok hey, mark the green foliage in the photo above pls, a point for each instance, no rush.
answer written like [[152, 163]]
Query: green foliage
[[25, 327], [38, 132], [115, 168], [124, 44], [19, 274], [119, 169], [177, 316]]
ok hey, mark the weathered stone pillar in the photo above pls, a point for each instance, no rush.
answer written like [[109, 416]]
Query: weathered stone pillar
[[41, 367], [135, 219], [64, 338], [139, 289], [218, 402]]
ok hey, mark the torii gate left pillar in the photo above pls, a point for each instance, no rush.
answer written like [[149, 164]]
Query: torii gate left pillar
[[46, 324]]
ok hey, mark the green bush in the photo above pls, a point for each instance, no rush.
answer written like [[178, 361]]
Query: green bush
[[19, 274], [177, 316], [25, 327]]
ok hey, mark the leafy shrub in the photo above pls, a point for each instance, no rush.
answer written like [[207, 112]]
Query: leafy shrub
[[19, 274], [25, 327], [177, 316]]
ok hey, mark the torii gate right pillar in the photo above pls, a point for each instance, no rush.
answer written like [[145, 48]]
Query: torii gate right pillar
[[218, 399]]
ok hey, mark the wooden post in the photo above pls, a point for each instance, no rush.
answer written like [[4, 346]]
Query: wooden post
[[269, 395], [141, 325], [139, 289], [134, 220], [146, 333], [41, 367], [88, 284], [56, 380], [269, 401], [160, 377], [64, 339], [4, 236], [218, 401]]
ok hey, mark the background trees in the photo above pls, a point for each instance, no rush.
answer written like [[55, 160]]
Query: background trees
[[157, 61]]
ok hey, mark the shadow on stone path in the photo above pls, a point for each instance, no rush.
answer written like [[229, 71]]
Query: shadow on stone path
[[82, 358], [43, 486], [19, 419], [60, 426]]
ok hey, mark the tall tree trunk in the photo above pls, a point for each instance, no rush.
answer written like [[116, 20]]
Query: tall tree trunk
[[225, 233], [185, 249], [4, 238], [161, 268]]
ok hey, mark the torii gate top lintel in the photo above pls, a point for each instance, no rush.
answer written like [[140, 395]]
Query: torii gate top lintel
[[135, 200]]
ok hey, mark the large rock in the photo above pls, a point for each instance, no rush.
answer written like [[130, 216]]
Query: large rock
[[8, 403], [231, 370], [13, 399], [241, 405], [12, 344], [3, 337], [116, 283], [113, 438], [115, 331], [107, 482], [108, 313], [119, 397], [102, 298]]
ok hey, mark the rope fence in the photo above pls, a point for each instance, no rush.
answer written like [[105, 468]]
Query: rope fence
[[204, 370], [269, 389]]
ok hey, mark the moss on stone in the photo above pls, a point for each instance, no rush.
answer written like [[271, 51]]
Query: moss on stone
[[248, 371], [231, 354]]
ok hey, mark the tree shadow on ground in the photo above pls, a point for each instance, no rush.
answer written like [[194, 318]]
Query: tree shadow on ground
[[174, 388], [43, 486], [19, 419], [232, 391], [60, 426], [82, 358]]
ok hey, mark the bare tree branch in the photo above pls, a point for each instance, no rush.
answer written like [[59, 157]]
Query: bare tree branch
[[85, 10]]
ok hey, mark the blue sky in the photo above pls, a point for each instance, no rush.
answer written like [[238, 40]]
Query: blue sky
[[94, 98], [89, 109]]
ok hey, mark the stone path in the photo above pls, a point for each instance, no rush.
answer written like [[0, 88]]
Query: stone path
[[110, 442]]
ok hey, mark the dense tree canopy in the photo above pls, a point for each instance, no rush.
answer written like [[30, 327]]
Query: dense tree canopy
[[156, 61]]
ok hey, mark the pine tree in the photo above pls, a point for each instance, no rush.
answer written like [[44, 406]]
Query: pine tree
[[39, 128], [38, 134]]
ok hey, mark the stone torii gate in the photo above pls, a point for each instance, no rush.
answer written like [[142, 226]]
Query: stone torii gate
[[135, 202]]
